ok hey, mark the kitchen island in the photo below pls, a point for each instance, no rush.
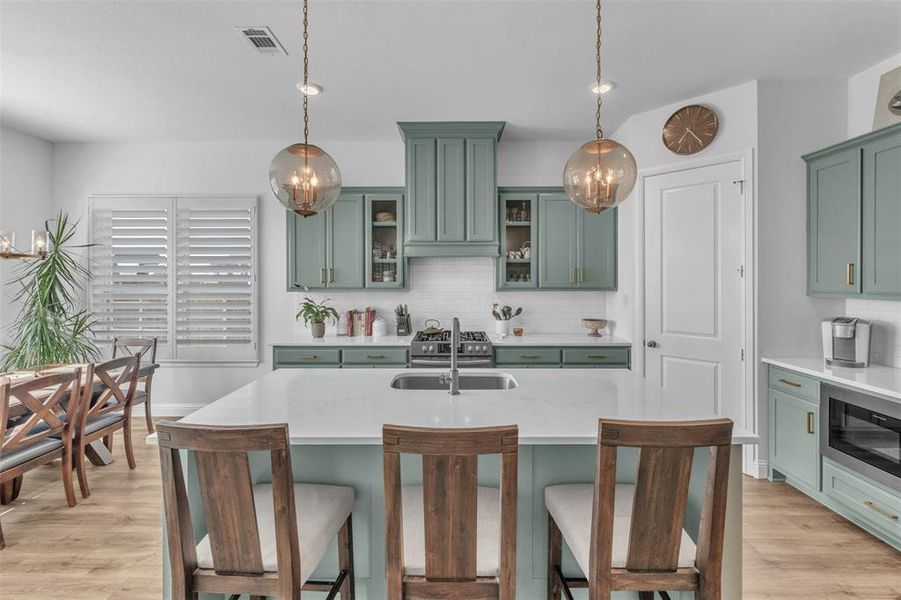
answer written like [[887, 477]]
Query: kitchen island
[[335, 421]]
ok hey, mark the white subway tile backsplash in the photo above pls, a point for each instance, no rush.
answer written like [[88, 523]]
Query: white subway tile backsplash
[[442, 288], [885, 315]]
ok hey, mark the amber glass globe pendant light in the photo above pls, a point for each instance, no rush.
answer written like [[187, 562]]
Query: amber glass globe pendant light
[[303, 176], [601, 173]]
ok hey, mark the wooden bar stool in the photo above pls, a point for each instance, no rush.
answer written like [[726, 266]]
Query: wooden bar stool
[[146, 350], [630, 537], [264, 539], [450, 538]]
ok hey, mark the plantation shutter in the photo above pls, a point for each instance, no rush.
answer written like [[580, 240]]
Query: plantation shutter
[[182, 270], [129, 263], [216, 308]]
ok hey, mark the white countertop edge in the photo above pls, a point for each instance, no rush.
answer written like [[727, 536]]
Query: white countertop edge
[[535, 339], [739, 438], [879, 379]]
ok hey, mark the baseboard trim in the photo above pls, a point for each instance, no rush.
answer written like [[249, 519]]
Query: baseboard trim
[[174, 410]]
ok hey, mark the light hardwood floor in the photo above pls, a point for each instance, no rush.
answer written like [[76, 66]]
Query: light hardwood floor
[[108, 547]]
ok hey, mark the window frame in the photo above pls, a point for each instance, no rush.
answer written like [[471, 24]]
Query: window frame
[[171, 357]]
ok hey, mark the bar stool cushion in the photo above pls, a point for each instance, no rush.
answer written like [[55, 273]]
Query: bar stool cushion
[[8, 460], [571, 506], [488, 534], [321, 511]]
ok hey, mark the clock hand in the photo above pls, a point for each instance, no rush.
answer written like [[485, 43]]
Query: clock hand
[[683, 137], [694, 136]]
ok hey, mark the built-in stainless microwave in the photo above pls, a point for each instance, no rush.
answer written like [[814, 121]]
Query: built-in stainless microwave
[[862, 433]]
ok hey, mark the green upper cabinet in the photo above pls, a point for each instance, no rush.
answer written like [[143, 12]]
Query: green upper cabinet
[[421, 191], [451, 188], [337, 249], [451, 198], [576, 249], [344, 235], [481, 190], [306, 251], [384, 240], [597, 250], [881, 272], [557, 226], [834, 223], [853, 216], [517, 266]]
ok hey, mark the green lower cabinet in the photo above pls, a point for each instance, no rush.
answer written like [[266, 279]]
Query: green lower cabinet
[[576, 357], [794, 443], [300, 357], [338, 357], [605, 357], [868, 504], [374, 357], [526, 357]]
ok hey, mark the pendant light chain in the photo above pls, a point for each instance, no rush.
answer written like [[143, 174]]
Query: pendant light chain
[[306, 69], [597, 48]]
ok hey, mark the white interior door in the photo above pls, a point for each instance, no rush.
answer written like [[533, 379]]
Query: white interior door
[[694, 235]]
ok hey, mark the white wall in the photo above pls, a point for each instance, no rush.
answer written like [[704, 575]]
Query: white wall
[[736, 108], [794, 117], [885, 314], [862, 90], [438, 287], [26, 201]]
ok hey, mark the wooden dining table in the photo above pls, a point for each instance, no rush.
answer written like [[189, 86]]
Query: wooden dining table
[[96, 452]]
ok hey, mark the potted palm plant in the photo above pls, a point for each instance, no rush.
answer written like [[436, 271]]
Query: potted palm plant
[[316, 314], [51, 326]]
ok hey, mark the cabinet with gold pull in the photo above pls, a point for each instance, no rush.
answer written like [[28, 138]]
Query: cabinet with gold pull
[[327, 250], [794, 445], [852, 213], [576, 249]]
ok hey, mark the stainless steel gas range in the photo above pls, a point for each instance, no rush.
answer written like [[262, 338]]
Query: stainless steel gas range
[[433, 350]]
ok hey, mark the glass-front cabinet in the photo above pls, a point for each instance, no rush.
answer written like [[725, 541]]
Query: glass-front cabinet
[[518, 262], [384, 244]]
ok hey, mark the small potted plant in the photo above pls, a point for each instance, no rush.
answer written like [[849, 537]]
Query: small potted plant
[[316, 314]]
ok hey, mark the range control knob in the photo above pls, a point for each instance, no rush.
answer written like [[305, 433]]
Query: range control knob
[[431, 348], [469, 348]]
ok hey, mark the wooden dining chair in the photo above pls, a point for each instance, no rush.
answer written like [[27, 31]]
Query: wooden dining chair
[[253, 545], [45, 434], [146, 349], [450, 538], [109, 389], [631, 537]]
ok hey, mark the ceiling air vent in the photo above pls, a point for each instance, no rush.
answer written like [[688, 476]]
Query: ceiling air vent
[[262, 39]]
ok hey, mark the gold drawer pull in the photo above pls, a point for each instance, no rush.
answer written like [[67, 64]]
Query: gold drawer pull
[[810, 423], [872, 506], [791, 383], [849, 273], [307, 356], [597, 356], [375, 356], [529, 356]]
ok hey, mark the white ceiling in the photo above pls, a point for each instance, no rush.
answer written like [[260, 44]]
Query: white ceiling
[[149, 70]]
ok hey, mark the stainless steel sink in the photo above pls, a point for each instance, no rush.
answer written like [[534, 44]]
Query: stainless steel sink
[[468, 381]]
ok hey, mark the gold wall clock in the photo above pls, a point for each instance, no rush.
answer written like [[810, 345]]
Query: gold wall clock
[[690, 129]]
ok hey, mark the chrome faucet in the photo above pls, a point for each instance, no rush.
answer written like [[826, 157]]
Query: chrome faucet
[[453, 378]]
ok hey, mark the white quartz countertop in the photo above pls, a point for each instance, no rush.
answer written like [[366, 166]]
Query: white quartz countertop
[[878, 379], [534, 339], [551, 406], [557, 339]]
